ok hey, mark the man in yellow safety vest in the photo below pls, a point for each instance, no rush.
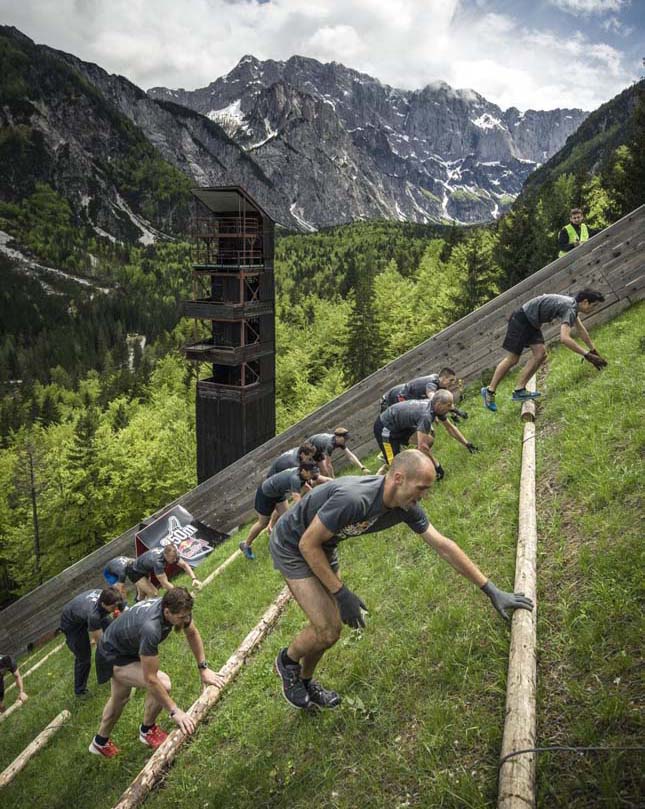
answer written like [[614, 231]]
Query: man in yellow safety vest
[[575, 233]]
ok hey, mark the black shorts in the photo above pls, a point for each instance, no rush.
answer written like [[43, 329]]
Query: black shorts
[[520, 333], [134, 576], [264, 505], [105, 665], [389, 443]]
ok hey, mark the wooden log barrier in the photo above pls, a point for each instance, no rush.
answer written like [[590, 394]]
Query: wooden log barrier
[[17, 704], [163, 757], [517, 774], [220, 569], [30, 751], [38, 664]]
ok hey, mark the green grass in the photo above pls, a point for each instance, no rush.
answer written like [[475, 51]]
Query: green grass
[[423, 685]]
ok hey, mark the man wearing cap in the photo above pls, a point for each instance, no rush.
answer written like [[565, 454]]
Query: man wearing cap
[[303, 547], [327, 443]]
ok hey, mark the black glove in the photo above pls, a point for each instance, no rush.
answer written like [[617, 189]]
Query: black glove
[[350, 606], [596, 360], [472, 448], [503, 601], [439, 470], [456, 415]]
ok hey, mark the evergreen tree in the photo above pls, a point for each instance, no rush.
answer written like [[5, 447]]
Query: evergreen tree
[[363, 354]]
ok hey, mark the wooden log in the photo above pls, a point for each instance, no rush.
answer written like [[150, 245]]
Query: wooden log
[[163, 757], [17, 704], [517, 775], [30, 751], [38, 664], [220, 569]]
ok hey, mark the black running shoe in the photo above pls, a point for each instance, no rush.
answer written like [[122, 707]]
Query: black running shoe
[[293, 689], [321, 697]]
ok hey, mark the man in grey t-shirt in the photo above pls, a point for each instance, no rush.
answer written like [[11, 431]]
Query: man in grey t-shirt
[[271, 496], [422, 387], [153, 563], [85, 616], [128, 656], [402, 422], [525, 330], [327, 443], [293, 457], [303, 547]]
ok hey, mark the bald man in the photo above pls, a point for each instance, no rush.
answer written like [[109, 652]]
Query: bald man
[[303, 547], [404, 422]]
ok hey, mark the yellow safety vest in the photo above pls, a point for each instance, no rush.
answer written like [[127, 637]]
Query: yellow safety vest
[[573, 236]]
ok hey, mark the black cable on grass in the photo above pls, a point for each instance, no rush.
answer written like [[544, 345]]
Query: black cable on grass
[[567, 749]]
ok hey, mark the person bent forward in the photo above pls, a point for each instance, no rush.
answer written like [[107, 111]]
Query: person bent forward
[[128, 656], [272, 494], [303, 547], [524, 330]]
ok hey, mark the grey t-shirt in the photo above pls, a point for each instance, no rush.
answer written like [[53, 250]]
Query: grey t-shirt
[[119, 567], [418, 388], [150, 562], [546, 308], [138, 631], [406, 418], [282, 483], [323, 442], [287, 460], [349, 506], [392, 396], [84, 612]]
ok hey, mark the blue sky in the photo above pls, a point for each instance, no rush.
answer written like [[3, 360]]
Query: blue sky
[[540, 54]]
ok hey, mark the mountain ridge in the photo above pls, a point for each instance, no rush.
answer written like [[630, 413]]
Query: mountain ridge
[[431, 154]]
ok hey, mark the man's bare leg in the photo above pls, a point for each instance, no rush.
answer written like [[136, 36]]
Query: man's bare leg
[[538, 356], [503, 367], [145, 589], [324, 626], [256, 529]]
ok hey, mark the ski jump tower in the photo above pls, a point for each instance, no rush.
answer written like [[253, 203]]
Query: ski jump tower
[[234, 308]]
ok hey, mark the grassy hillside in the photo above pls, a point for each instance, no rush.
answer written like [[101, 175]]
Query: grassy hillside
[[424, 684]]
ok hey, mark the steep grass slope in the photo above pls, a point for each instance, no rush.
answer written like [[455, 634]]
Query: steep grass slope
[[424, 684]]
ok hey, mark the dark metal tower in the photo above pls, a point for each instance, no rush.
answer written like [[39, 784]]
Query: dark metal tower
[[233, 295]]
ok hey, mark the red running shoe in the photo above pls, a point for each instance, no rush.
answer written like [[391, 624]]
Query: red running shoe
[[107, 750], [154, 737]]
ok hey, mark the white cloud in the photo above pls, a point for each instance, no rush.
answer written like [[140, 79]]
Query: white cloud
[[589, 6], [408, 43], [614, 25]]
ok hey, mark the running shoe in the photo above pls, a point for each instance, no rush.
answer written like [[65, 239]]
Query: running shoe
[[489, 398], [107, 750], [247, 550], [154, 737], [293, 689], [523, 395], [322, 697]]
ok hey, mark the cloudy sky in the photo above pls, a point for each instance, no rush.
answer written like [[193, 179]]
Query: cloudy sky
[[526, 53]]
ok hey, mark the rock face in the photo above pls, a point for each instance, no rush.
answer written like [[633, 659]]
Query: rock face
[[340, 145]]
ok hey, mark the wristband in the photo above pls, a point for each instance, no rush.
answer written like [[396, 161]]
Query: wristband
[[173, 712], [202, 666]]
